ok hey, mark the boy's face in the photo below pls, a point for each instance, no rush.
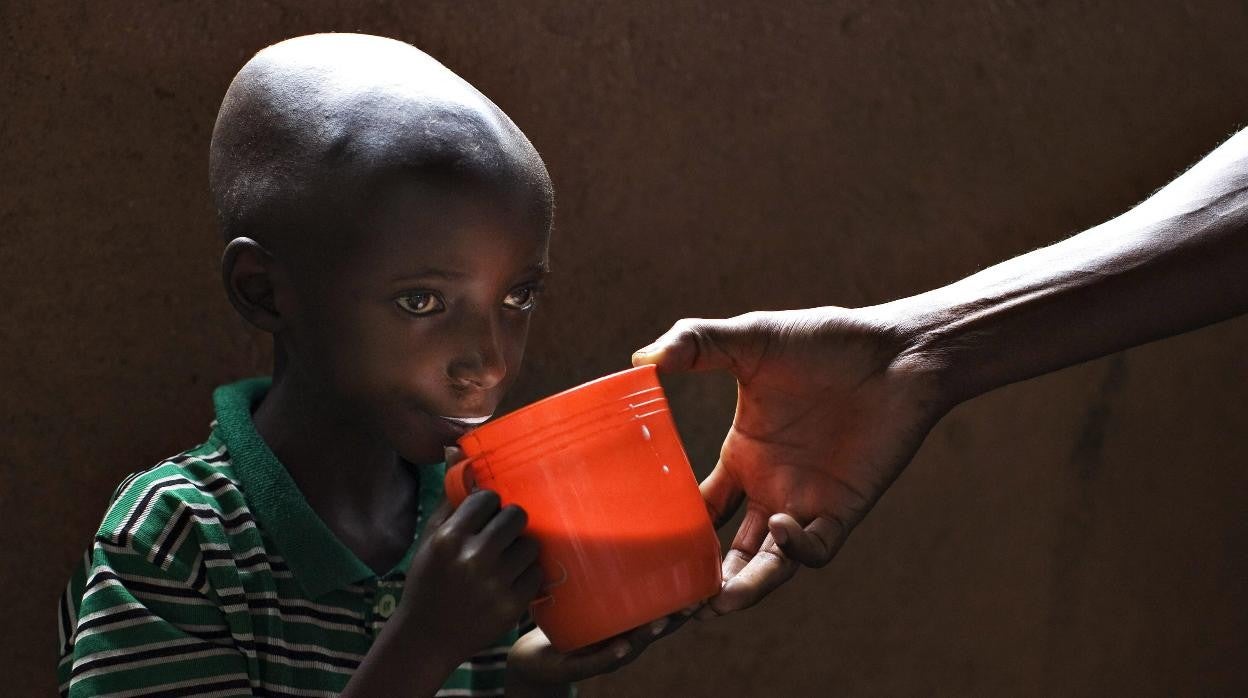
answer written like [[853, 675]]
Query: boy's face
[[426, 316]]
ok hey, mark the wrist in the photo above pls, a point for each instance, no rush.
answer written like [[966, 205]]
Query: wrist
[[423, 641], [927, 358], [401, 661]]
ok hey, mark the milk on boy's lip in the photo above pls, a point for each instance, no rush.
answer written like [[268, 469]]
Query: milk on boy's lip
[[459, 425], [468, 421]]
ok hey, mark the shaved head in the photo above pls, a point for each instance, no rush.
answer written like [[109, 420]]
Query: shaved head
[[311, 126]]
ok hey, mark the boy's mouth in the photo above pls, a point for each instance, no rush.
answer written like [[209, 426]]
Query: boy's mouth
[[455, 427], [467, 421]]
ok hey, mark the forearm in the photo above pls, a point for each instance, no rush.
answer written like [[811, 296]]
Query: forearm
[[389, 669], [519, 688], [1176, 262]]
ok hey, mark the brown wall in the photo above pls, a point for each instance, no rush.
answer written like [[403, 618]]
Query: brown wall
[[1082, 533]]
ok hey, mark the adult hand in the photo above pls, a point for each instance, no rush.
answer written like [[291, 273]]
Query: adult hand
[[833, 403], [829, 412]]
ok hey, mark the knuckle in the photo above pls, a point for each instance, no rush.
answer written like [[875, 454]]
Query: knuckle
[[443, 539], [687, 327], [518, 512], [487, 498], [469, 558]]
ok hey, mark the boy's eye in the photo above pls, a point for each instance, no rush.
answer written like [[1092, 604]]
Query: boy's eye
[[420, 303], [521, 298]]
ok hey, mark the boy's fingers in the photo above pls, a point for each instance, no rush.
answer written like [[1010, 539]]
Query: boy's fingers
[[656, 629], [518, 557], [615, 652], [529, 583], [502, 530], [474, 513], [812, 546], [439, 515], [452, 455], [641, 637], [598, 659]]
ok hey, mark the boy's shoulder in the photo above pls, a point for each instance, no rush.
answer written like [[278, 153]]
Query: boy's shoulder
[[155, 509]]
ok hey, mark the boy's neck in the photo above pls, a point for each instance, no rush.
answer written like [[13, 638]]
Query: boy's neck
[[351, 478]]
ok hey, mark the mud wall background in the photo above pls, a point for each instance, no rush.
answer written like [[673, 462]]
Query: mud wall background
[[1082, 533]]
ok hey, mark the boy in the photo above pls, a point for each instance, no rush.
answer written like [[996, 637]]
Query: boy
[[388, 225]]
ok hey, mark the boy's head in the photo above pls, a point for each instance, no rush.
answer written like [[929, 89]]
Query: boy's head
[[388, 224]]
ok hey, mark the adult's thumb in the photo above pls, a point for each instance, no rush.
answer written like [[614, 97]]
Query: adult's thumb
[[695, 344]]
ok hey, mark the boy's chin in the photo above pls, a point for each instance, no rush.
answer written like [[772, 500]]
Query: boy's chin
[[423, 455], [423, 438]]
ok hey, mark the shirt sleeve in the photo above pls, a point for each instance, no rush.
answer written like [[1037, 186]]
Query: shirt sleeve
[[138, 618]]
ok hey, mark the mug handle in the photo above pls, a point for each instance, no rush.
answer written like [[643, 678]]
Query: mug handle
[[460, 481]]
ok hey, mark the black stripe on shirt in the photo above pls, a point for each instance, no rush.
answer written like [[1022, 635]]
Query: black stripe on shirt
[[328, 616], [164, 546], [198, 688], [220, 482], [108, 619], [164, 652]]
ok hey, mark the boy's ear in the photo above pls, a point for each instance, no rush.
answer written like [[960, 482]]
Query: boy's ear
[[247, 270]]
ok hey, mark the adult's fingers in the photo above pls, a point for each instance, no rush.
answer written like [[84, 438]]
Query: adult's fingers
[[475, 511], [750, 538], [813, 546], [722, 494], [694, 344], [765, 571]]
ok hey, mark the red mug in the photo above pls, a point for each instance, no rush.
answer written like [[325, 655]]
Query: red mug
[[600, 470]]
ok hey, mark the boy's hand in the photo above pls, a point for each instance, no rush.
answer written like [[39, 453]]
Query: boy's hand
[[472, 578], [535, 668]]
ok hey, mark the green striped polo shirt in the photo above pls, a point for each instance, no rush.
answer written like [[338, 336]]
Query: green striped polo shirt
[[212, 576]]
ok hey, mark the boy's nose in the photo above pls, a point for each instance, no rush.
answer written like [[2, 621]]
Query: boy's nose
[[481, 365]]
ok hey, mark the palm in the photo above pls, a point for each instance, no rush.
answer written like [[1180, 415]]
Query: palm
[[826, 419], [821, 426]]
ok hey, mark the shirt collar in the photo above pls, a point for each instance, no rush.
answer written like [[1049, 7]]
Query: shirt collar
[[319, 561]]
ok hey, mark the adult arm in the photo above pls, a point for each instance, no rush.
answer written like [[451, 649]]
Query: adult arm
[[833, 402]]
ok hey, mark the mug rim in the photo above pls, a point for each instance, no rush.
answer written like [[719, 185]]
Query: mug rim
[[515, 415]]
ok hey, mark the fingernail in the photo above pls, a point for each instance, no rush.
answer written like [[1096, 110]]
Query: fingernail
[[621, 650], [657, 626]]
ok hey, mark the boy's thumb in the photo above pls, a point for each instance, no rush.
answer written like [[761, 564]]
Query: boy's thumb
[[452, 455]]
